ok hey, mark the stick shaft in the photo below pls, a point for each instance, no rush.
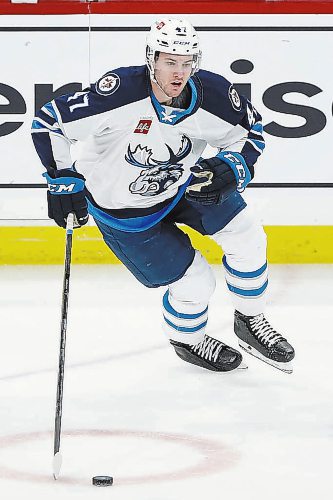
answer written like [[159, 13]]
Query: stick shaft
[[63, 330]]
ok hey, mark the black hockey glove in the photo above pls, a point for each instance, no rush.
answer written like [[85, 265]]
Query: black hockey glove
[[65, 195], [216, 178]]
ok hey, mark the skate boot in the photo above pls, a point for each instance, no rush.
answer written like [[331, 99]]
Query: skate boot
[[209, 353], [259, 338]]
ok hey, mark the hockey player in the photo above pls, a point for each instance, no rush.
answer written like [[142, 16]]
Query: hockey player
[[140, 172]]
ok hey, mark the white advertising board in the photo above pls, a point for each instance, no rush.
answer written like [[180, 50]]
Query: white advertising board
[[279, 61]]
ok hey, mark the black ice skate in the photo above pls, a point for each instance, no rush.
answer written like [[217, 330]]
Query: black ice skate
[[210, 353], [259, 338]]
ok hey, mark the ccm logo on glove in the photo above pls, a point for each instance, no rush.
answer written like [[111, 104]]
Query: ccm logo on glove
[[60, 188], [67, 181], [66, 195], [239, 167]]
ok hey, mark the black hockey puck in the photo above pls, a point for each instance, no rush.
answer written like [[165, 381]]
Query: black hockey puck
[[102, 480]]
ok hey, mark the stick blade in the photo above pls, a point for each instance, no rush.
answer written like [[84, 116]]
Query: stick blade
[[56, 465]]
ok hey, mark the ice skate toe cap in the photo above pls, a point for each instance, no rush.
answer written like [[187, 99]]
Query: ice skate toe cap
[[283, 351]]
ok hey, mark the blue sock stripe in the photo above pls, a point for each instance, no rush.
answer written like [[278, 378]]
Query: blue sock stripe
[[188, 323], [171, 310], [248, 293], [240, 274], [184, 329]]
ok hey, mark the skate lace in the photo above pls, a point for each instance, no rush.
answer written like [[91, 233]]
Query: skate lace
[[209, 348], [264, 331]]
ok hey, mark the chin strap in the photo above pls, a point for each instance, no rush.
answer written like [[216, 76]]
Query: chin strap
[[152, 76], [153, 79]]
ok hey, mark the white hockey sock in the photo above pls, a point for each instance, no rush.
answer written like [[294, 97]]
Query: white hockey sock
[[248, 289], [187, 328], [185, 304], [244, 243]]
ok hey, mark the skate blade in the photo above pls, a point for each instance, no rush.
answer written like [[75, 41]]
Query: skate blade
[[284, 367]]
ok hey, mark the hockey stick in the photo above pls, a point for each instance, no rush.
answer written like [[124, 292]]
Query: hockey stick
[[57, 458]]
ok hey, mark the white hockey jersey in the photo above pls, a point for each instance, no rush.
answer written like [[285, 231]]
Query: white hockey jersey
[[137, 153]]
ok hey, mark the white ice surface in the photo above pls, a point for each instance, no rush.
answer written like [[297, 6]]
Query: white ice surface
[[164, 429]]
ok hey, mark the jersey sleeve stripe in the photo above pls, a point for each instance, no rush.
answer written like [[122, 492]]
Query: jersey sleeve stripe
[[257, 128], [49, 109], [38, 125], [258, 145], [46, 117]]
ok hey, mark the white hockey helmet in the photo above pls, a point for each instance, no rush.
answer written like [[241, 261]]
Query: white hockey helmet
[[173, 36]]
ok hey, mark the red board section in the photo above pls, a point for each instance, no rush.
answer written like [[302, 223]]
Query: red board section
[[169, 7]]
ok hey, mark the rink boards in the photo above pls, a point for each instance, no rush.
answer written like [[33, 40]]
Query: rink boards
[[292, 190], [45, 245]]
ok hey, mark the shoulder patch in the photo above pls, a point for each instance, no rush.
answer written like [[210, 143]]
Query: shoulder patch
[[108, 84], [236, 103]]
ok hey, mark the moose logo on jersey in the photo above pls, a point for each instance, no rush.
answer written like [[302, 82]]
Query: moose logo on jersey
[[157, 175]]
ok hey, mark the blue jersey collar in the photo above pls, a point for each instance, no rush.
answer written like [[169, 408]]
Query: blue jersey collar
[[173, 117]]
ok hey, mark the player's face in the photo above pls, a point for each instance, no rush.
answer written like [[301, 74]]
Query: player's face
[[172, 72]]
